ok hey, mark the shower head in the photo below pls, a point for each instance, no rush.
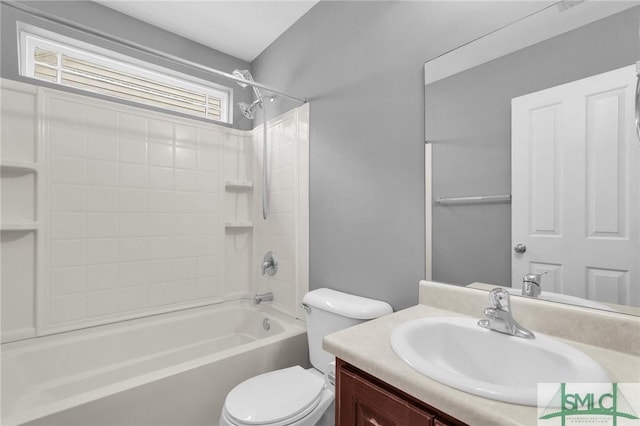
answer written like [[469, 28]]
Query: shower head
[[248, 110], [246, 75]]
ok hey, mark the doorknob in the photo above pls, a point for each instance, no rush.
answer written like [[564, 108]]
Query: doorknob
[[520, 248]]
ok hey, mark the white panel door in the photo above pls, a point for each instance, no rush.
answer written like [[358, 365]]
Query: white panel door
[[575, 160]]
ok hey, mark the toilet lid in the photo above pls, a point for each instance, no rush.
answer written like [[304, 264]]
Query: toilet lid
[[274, 397]]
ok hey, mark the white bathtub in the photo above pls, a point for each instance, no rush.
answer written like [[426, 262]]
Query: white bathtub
[[172, 369]]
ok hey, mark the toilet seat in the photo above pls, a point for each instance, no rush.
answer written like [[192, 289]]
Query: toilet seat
[[278, 397]]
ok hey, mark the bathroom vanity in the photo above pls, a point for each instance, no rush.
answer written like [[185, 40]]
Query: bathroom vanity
[[365, 400], [376, 387]]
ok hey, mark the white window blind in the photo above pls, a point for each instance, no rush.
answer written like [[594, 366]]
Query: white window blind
[[112, 74]]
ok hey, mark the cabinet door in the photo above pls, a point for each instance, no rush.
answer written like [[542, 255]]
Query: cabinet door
[[362, 403]]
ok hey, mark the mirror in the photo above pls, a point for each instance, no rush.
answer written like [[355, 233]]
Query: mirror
[[571, 176]]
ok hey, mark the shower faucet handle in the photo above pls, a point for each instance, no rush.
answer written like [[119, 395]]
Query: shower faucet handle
[[270, 264]]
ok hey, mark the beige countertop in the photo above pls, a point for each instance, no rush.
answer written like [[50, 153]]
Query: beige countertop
[[367, 347]]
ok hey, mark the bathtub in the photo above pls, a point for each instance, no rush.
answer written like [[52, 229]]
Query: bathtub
[[171, 369]]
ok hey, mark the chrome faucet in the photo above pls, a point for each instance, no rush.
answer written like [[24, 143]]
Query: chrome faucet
[[499, 316], [264, 297], [531, 284]]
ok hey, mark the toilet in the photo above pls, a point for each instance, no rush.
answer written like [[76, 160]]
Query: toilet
[[297, 396]]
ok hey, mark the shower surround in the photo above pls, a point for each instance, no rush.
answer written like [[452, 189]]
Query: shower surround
[[131, 249], [111, 212]]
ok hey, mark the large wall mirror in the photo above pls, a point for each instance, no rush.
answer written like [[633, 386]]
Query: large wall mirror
[[533, 161]]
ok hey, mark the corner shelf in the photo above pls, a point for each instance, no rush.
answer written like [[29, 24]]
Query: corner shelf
[[27, 226], [238, 225], [238, 185], [19, 166]]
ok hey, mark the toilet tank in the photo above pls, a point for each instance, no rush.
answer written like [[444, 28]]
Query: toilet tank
[[328, 311]]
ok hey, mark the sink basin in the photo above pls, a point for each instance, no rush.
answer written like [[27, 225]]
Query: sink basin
[[455, 351], [563, 298]]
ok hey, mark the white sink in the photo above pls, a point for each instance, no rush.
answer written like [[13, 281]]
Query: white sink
[[563, 298], [457, 352]]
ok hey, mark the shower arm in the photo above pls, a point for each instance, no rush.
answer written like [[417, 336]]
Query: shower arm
[[144, 49]]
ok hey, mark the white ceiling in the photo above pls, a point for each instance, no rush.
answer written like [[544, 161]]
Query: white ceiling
[[241, 28]]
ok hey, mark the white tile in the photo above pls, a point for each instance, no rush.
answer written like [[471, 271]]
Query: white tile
[[184, 291], [100, 120], [282, 178], [184, 224], [101, 277], [208, 159], [281, 201], [207, 266], [133, 175], [67, 170], [133, 150], [160, 294], [208, 182], [208, 225], [186, 135], [133, 298], [207, 203], [160, 247], [133, 224], [132, 249], [132, 126], [67, 253], [160, 131], [160, 178], [185, 269], [161, 154], [67, 225], [104, 173], [208, 287], [185, 246], [68, 307], [186, 158], [103, 250], [101, 303], [101, 225], [161, 201], [185, 180], [133, 200], [67, 141], [207, 245], [160, 270], [68, 280], [102, 199], [68, 197], [160, 224], [133, 273], [209, 139], [185, 202], [102, 146]]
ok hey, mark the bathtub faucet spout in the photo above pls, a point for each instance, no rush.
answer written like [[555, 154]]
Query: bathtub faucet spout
[[264, 297]]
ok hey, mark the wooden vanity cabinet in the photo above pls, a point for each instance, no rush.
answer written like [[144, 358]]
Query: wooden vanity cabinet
[[364, 400]]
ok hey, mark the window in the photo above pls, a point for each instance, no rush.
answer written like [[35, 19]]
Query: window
[[58, 59]]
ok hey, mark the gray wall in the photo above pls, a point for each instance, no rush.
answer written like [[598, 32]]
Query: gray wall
[[101, 18], [469, 123], [361, 65]]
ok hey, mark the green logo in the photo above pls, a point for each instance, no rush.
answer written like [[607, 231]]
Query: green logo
[[611, 404]]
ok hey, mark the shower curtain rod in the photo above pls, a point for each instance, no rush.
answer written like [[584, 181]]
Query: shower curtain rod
[[148, 50]]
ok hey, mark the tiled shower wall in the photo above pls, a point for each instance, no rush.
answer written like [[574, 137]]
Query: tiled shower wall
[[127, 212]]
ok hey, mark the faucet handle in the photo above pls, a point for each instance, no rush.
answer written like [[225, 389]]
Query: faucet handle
[[533, 277], [499, 298]]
